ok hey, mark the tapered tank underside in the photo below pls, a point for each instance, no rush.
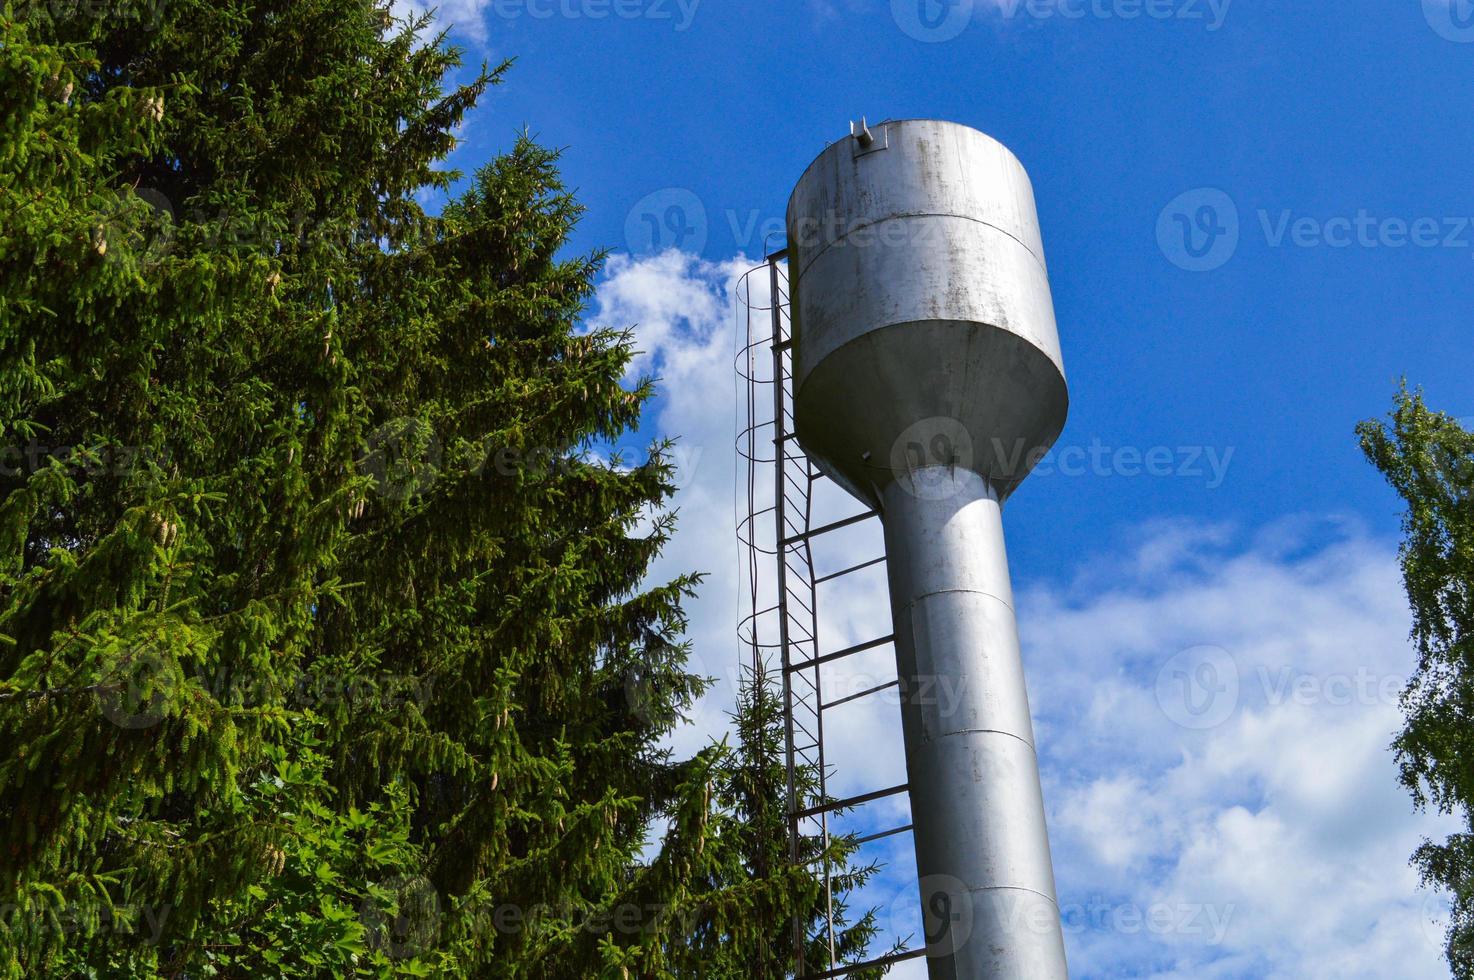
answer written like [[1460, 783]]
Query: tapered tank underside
[[863, 411], [928, 382]]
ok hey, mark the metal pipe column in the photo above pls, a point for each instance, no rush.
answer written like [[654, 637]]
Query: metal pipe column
[[982, 850]]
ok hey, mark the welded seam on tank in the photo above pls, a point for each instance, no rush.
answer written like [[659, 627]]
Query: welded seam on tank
[[929, 739], [925, 595], [924, 214], [1015, 888]]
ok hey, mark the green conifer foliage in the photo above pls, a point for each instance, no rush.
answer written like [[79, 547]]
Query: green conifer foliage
[[757, 891], [326, 644]]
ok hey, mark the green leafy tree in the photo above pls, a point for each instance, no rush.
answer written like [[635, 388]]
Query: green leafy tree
[[326, 645], [1428, 458]]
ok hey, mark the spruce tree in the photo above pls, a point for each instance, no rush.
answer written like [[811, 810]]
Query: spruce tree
[[327, 648], [752, 793]]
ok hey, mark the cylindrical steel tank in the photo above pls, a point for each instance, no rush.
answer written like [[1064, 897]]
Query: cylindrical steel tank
[[928, 382], [920, 293]]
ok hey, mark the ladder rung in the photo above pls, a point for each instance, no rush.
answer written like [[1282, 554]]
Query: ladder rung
[[857, 841], [857, 648], [855, 697], [840, 971], [848, 802], [826, 528], [884, 833], [794, 598], [852, 568], [804, 572]]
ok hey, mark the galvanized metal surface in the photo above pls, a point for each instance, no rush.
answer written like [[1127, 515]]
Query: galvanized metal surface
[[981, 845], [928, 382], [920, 292]]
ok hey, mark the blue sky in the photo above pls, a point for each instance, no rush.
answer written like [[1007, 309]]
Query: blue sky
[[1305, 110], [1258, 217]]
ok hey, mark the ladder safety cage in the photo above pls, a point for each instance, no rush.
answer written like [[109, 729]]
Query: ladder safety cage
[[782, 638]]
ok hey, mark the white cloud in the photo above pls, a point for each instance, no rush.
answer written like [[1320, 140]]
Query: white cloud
[[1272, 844], [467, 17], [681, 310], [1287, 814]]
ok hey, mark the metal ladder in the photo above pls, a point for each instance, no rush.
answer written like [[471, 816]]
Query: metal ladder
[[787, 630]]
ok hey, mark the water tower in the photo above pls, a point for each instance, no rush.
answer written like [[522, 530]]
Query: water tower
[[927, 380]]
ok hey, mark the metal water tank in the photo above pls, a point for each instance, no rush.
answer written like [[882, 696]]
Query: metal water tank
[[920, 293], [928, 381]]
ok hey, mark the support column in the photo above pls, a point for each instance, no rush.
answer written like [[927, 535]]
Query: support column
[[982, 848]]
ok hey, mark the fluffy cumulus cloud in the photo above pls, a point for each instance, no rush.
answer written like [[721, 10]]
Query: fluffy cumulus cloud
[[1213, 704], [1214, 729], [682, 313], [467, 17]]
